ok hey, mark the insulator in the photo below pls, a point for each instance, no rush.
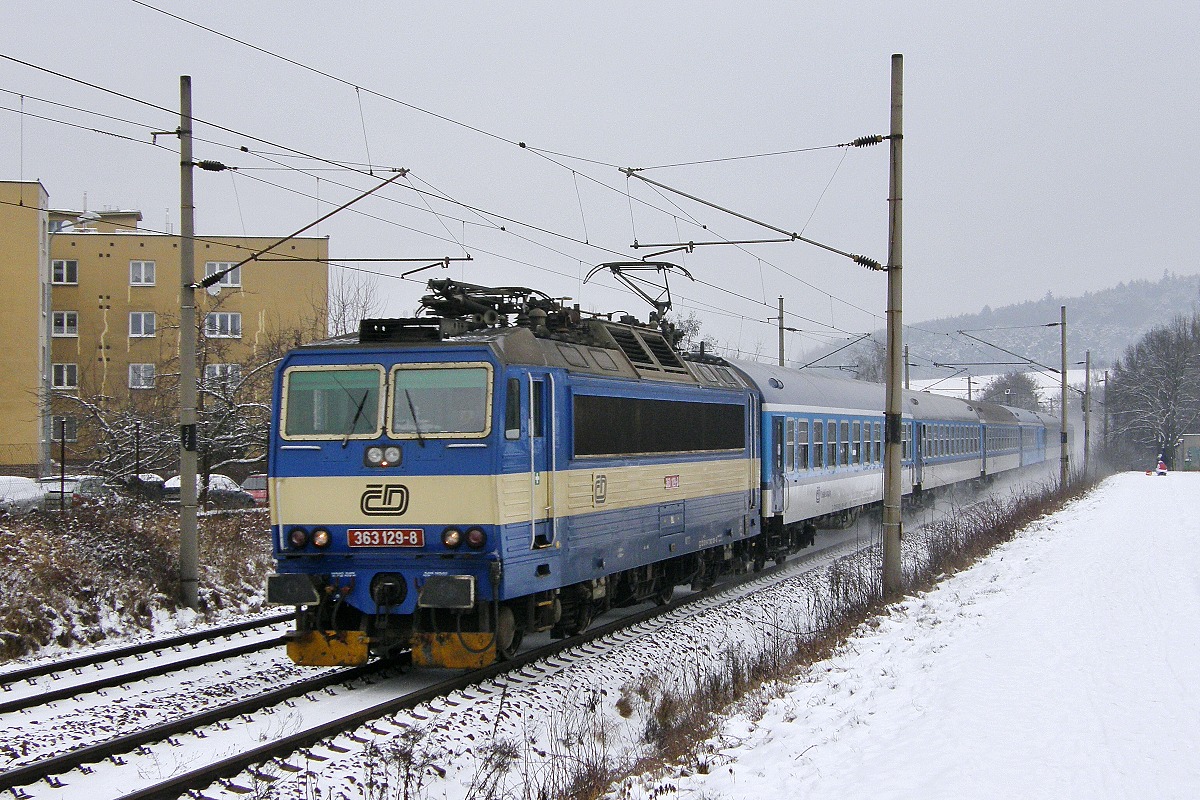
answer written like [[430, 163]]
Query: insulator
[[867, 141], [869, 263], [211, 166]]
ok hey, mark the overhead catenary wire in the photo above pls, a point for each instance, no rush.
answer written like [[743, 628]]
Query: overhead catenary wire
[[293, 152]]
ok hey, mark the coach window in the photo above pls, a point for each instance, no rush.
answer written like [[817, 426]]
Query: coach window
[[818, 447], [791, 445], [856, 443], [878, 436], [802, 444], [512, 409], [906, 441], [831, 444]]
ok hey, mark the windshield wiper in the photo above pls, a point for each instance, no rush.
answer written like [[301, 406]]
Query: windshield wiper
[[357, 414], [416, 425]]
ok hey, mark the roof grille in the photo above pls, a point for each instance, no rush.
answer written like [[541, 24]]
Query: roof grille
[[662, 351], [632, 346]]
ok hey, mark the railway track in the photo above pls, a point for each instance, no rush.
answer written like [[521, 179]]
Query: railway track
[[28, 695], [283, 751]]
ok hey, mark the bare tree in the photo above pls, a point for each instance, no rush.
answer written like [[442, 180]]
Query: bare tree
[[353, 297], [1014, 389], [870, 361], [1154, 392]]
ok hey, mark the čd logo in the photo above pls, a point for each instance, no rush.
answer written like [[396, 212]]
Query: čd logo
[[384, 499]]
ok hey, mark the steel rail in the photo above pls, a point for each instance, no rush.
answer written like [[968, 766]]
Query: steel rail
[[131, 651], [199, 778], [56, 765], [118, 679]]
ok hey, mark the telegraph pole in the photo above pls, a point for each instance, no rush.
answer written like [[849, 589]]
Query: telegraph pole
[[189, 549], [893, 577], [1064, 460]]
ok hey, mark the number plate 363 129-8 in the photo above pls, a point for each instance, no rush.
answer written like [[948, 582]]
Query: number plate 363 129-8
[[385, 537]]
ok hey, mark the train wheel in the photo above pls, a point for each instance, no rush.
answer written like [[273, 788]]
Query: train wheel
[[508, 635]]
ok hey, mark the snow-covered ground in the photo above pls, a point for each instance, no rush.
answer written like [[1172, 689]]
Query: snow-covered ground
[[1064, 665]]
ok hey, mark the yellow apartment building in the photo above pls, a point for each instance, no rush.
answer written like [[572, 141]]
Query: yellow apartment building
[[112, 319], [24, 327]]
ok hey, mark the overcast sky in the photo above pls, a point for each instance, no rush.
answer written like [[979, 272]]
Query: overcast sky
[[1049, 147]]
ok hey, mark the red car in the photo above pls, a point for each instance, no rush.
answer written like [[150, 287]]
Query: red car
[[256, 486]]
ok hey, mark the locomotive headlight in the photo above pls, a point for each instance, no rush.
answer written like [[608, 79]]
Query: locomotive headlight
[[373, 456], [321, 538], [391, 454], [451, 538], [298, 537], [476, 538]]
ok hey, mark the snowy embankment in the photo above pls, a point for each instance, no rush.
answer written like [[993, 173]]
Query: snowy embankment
[[1066, 664]]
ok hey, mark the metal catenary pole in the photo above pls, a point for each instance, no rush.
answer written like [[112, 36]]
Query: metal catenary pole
[[189, 550], [892, 490], [1064, 460], [781, 330], [1087, 411]]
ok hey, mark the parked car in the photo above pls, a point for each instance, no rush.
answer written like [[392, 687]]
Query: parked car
[[256, 485], [145, 485], [75, 489], [18, 495], [223, 492]]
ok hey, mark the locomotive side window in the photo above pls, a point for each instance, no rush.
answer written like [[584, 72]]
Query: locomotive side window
[[538, 395], [332, 402], [440, 400], [608, 426], [512, 409]]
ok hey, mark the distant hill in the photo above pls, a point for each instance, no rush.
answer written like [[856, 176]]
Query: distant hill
[[1105, 322]]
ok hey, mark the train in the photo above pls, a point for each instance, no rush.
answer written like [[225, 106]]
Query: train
[[501, 464]]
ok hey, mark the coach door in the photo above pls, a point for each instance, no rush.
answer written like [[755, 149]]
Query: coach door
[[541, 460], [778, 481]]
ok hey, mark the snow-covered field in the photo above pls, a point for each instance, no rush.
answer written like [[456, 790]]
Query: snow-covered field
[[1064, 665]]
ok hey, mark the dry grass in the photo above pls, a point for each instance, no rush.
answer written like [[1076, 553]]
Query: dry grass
[[684, 718], [104, 570]]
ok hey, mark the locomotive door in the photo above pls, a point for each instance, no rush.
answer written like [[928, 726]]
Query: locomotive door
[[541, 460]]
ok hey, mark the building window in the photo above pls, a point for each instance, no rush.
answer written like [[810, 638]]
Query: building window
[[141, 273], [64, 428], [64, 272], [141, 324], [231, 278], [141, 376], [223, 325], [65, 376], [66, 323], [222, 376]]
